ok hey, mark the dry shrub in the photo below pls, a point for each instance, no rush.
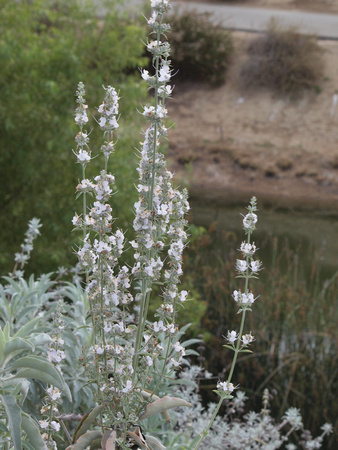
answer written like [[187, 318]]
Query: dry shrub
[[284, 61], [201, 51]]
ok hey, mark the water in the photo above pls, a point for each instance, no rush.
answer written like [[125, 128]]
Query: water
[[313, 237]]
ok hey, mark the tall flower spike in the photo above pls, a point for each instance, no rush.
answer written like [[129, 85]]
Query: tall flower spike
[[238, 342], [159, 212]]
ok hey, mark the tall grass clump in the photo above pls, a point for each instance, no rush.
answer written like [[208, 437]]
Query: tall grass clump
[[283, 61], [82, 364], [201, 51], [295, 337]]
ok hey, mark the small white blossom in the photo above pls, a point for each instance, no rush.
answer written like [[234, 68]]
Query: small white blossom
[[54, 393], [225, 386], [44, 424], [255, 266], [98, 350], [247, 339], [159, 326], [56, 356], [327, 428], [183, 296], [248, 249], [55, 425], [128, 387], [241, 265], [81, 117], [249, 221], [164, 74], [294, 418], [83, 157], [232, 336]]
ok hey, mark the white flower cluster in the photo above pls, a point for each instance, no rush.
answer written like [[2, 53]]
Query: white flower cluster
[[243, 266], [107, 287], [83, 153], [109, 110], [159, 212], [250, 220], [27, 246], [242, 299], [81, 117], [56, 353], [49, 425], [225, 386]]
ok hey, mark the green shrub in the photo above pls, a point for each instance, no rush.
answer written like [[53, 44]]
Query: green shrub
[[284, 61], [46, 48], [201, 51]]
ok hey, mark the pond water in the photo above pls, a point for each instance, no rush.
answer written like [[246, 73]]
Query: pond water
[[313, 237]]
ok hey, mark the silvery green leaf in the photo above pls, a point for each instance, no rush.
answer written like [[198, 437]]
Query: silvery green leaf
[[154, 443], [109, 440], [13, 413], [27, 328], [137, 437], [39, 368], [87, 421], [32, 431], [191, 342], [26, 445], [16, 345], [162, 405], [21, 382], [85, 440], [40, 339]]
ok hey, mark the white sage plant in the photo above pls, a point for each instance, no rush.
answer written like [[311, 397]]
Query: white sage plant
[[130, 354]]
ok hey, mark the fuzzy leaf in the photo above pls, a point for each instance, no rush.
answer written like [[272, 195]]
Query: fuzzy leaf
[[85, 440], [146, 394], [32, 431], [190, 351], [3, 428], [137, 437], [161, 405], [13, 413], [2, 342], [185, 382], [154, 443], [40, 339], [109, 440], [86, 421], [27, 328], [39, 368], [230, 347], [22, 382], [26, 445], [16, 345], [191, 342]]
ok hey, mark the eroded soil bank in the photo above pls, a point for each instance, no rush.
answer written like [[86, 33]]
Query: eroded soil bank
[[228, 144]]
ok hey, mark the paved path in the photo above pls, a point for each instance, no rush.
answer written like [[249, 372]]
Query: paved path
[[256, 19]]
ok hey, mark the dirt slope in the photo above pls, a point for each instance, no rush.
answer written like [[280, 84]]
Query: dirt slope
[[228, 144]]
